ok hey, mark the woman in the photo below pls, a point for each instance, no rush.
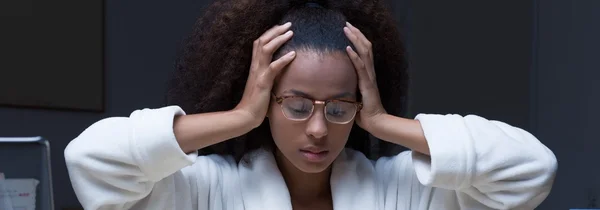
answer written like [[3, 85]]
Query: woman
[[271, 126]]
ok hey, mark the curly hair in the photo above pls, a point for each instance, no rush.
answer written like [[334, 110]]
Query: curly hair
[[212, 68]]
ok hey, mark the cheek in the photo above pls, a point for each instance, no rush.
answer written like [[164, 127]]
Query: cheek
[[340, 133], [275, 114], [282, 129]]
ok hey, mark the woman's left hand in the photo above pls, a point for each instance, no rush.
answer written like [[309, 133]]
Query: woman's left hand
[[367, 84]]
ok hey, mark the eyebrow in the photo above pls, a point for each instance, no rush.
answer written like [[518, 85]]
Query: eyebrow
[[303, 94]]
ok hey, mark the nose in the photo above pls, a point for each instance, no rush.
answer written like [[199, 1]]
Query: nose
[[317, 125]]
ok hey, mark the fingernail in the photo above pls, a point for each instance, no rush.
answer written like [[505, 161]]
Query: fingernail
[[292, 53], [288, 33], [348, 23], [288, 24]]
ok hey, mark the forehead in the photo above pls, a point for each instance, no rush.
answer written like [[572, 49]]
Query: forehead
[[321, 75]]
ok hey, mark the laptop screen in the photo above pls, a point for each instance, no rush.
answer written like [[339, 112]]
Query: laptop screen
[[23, 160]]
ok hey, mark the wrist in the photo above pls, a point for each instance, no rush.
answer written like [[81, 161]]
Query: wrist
[[247, 118], [401, 131], [375, 126]]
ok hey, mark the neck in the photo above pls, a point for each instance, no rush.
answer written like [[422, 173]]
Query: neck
[[304, 186]]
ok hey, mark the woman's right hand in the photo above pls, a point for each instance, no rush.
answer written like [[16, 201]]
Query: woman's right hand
[[252, 109], [257, 93]]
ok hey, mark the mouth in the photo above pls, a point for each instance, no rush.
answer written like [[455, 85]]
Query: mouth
[[314, 155]]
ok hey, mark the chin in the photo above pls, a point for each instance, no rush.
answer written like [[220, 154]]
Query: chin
[[308, 163], [308, 166], [312, 168]]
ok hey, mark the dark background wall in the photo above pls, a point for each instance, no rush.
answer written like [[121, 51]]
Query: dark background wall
[[566, 80], [532, 64], [67, 35], [472, 57], [141, 42]]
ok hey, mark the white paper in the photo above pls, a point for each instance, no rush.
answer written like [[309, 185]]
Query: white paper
[[5, 202], [21, 192]]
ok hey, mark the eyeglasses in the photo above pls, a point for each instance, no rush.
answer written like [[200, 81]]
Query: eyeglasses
[[298, 108]]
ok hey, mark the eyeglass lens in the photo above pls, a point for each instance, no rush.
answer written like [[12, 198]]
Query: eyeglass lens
[[298, 108]]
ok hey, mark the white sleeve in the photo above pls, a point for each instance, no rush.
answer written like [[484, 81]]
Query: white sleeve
[[119, 161], [487, 162]]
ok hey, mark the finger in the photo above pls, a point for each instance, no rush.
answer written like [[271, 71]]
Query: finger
[[277, 65], [273, 32], [359, 45], [359, 65], [353, 38], [366, 83], [359, 34], [277, 42], [364, 63]]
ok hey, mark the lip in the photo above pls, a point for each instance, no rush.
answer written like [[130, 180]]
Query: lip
[[314, 154], [313, 149]]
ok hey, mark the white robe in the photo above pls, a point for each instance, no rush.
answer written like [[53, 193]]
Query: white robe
[[136, 163]]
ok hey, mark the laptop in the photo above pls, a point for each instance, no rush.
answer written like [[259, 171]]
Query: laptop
[[29, 158]]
